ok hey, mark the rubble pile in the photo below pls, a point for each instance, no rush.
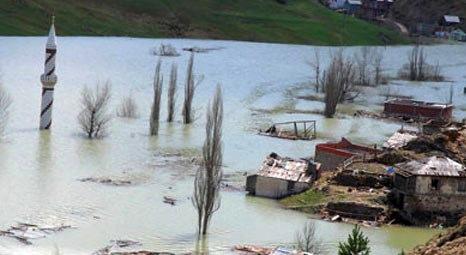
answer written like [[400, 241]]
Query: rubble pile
[[453, 242]]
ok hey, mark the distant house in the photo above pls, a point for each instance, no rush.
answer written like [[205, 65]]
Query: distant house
[[280, 177], [407, 108], [450, 20], [430, 189], [352, 6], [336, 4], [331, 155]]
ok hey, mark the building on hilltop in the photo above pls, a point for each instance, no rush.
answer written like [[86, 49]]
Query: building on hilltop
[[429, 190]]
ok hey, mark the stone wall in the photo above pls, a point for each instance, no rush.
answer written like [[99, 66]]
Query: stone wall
[[329, 161], [425, 209], [353, 210], [363, 179]]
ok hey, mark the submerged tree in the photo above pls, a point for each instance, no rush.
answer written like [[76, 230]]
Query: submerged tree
[[155, 109], [127, 108], [5, 102], [189, 90], [93, 117], [357, 244], [172, 93], [417, 68], [306, 240], [338, 81], [206, 195], [316, 66]]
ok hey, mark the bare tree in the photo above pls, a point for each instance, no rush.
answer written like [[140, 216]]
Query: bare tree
[[338, 81], [155, 109], [172, 92], [306, 240], [378, 67], [5, 102], [363, 60], [316, 66], [206, 196], [93, 117], [189, 90], [127, 108], [417, 68], [165, 50]]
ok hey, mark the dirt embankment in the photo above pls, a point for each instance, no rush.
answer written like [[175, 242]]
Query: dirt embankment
[[449, 142], [453, 242], [410, 12]]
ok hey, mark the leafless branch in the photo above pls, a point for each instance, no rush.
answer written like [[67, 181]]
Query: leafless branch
[[206, 195], [127, 108], [172, 93], [93, 117], [155, 109], [5, 103]]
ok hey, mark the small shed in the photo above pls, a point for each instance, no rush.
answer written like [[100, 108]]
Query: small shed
[[280, 177], [332, 154], [407, 108]]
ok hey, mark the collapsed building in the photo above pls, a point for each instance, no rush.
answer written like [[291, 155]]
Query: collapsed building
[[331, 155], [429, 190], [279, 177]]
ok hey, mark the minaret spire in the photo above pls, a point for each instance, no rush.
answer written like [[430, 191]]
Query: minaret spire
[[48, 79]]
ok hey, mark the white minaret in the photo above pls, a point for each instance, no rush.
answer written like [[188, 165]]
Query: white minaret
[[48, 79]]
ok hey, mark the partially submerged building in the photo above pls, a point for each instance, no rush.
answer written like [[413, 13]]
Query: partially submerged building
[[407, 108], [280, 177], [331, 155], [430, 190]]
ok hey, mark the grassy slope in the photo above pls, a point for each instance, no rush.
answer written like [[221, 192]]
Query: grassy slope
[[302, 21]]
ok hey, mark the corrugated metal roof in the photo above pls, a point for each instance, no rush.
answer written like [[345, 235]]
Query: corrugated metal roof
[[285, 168], [451, 19], [399, 140], [435, 166], [355, 2]]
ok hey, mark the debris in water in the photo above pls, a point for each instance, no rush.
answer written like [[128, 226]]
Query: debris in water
[[24, 232], [120, 247], [169, 200], [107, 181]]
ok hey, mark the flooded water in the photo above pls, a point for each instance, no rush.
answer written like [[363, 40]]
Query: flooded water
[[40, 170]]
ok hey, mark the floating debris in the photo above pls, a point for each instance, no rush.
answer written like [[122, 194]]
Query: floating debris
[[25, 232], [201, 50], [107, 181], [169, 200], [120, 247]]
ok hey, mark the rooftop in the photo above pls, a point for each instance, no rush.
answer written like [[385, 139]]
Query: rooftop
[[451, 19], [433, 166], [285, 168], [345, 148], [410, 102]]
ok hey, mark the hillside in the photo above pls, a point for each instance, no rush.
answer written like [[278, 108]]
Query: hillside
[[301, 21], [410, 11], [452, 242]]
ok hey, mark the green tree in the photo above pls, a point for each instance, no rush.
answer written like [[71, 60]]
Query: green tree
[[357, 244]]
